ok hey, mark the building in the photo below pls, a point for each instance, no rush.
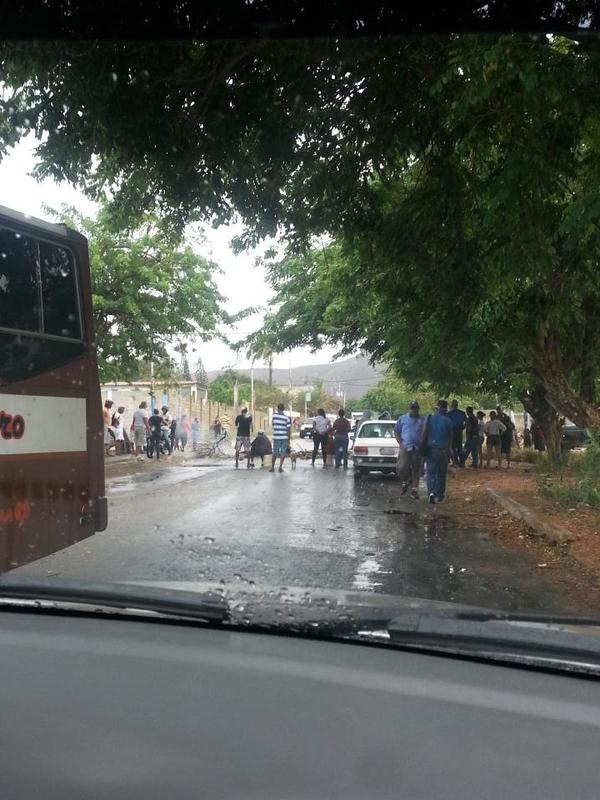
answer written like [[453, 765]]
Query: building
[[182, 397]]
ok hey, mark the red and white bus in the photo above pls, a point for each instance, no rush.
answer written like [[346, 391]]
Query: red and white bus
[[51, 430]]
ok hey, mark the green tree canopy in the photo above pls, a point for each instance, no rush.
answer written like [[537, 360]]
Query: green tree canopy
[[148, 292], [457, 177]]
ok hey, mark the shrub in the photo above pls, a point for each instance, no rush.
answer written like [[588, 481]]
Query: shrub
[[578, 484]]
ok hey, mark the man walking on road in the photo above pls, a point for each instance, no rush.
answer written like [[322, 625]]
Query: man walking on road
[[321, 426], [156, 423], [140, 428], [243, 424], [282, 431], [458, 419], [408, 432], [472, 438], [341, 429], [437, 437]]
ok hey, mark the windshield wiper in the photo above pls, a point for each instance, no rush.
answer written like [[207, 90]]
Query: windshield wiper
[[208, 606], [487, 632]]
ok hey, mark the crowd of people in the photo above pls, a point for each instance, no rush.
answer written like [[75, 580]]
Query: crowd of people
[[450, 436], [159, 429], [447, 436]]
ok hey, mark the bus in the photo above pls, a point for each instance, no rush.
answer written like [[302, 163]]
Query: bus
[[51, 429]]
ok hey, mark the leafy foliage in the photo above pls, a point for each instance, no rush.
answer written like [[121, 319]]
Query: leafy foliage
[[148, 292], [220, 390], [454, 180]]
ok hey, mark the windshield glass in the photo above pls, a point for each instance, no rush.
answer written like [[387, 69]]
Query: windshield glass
[[221, 258], [376, 430]]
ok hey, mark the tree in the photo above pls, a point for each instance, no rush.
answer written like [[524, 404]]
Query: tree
[[319, 399], [148, 291], [266, 396], [220, 390], [513, 231], [475, 158], [392, 394], [200, 375]]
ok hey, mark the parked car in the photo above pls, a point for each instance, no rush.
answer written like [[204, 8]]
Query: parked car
[[306, 429], [573, 436], [375, 448]]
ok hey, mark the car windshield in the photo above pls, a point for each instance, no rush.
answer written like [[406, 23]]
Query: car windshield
[[212, 243], [376, 430]]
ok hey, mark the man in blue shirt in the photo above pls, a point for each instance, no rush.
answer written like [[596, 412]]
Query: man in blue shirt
[[458, 418], [437, 436], [408, 432]]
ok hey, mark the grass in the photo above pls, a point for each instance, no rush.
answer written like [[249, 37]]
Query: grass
[[527, 455], [575, 481]]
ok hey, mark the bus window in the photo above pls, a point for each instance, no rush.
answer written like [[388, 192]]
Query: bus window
[[36, 336], [59, 291], [19, 290]]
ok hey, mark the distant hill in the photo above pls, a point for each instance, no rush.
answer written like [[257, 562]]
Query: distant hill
[[353, 375]]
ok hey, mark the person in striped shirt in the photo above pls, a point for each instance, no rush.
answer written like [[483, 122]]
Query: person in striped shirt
[[282, 429]]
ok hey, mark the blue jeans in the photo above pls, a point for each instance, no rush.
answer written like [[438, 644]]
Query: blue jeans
[[472, 449], [457, 448], [340, 445], [437, 469]]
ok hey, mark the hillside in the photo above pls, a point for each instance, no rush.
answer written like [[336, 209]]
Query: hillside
[[353, 375]]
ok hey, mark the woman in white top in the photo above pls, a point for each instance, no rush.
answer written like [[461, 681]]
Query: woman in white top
[[321, 427]]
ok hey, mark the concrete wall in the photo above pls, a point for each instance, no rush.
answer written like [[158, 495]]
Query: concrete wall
[[180, 400]]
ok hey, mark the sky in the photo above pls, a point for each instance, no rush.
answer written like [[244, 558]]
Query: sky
[[241, 281]]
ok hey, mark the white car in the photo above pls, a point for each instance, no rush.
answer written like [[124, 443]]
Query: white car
[[375, 447], [306, 429]]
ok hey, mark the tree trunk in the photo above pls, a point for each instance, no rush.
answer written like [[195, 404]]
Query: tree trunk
[[536, 403], [550, 374], [589, 355]]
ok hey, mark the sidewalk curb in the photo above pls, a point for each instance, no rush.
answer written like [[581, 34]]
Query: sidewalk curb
[[538, 526]]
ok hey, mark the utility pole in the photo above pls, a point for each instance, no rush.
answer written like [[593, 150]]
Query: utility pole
[[305, 403], [235, 394], [252, 391], [152, 385], [290, 384]]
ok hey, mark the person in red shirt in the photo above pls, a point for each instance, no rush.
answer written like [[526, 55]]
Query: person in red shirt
[[341, 429]]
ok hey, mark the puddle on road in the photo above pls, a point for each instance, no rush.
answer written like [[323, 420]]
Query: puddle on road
[[147, 480], [364, 577]]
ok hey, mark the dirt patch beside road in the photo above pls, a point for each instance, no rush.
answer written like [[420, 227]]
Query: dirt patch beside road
[[467, 502]]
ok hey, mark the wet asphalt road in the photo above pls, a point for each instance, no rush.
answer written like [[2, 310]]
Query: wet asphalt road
[[311, 527]]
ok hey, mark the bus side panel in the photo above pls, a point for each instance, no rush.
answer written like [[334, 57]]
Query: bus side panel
[[52, 491], [95, 429]]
